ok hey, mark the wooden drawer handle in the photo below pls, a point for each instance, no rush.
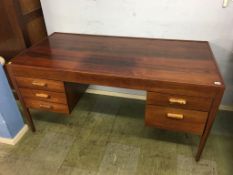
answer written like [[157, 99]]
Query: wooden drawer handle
[[42, 95], [175, 116], [45, 106], [36, 83], [177, 100]]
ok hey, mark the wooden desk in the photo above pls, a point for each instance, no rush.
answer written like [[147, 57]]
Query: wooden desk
[[183, 84]]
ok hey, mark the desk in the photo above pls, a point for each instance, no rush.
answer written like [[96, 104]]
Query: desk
[[183, 84]]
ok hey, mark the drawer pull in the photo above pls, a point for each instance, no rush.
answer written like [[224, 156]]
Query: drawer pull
[[45, 106], [177, 100], [175, 116], [36, 83], [42, 95]]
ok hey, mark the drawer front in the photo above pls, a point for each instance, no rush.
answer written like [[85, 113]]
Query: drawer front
[[182, 89], [41, 84], [176, 119], [49, 96], [42, 105], [185, 102]]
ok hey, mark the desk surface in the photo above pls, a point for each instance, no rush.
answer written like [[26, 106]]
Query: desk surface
[[188, 62]]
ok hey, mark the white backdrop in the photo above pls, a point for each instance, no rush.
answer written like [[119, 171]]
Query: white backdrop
[[173, 19]]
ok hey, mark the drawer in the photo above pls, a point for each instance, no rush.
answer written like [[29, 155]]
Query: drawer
[[180, 101], [42, 105], [42, 95], [42, 84], [176, 119]]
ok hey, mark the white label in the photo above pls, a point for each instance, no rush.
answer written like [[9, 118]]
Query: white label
[[217, 83]]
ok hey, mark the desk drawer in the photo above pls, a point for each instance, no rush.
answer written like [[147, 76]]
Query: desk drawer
[[176, 119], [41, 84], [42, 105], [180, 101], [49, 96]]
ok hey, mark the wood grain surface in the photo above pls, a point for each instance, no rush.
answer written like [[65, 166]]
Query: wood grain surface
[[192, 122], [184, 70], [186, 62]]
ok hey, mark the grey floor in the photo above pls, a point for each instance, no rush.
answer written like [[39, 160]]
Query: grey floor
[[106, 135]]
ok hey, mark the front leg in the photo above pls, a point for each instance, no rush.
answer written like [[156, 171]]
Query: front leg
[[210, 121]]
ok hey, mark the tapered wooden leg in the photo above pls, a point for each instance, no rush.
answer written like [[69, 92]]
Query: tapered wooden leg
[[25, 109], [211, 118], [29, 118]]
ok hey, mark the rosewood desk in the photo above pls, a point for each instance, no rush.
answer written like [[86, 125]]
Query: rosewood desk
[[183, 84]]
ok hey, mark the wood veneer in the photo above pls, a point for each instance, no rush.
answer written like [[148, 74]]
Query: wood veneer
[[172, 61], [163, 68], [192, 102], [22, 25], [42, 84], [193, 121], [48, 106], [49, 96]]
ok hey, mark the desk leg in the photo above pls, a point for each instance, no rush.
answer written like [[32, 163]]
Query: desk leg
[[209, 124], [25, 109]]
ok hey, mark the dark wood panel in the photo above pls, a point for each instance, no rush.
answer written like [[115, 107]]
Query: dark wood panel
[[115, 81], [192, 122], [11, 37], [31, 20], [36, 29], [179, 101], [42, 84], [28, 6], [74, 92], [148, 59], [21, 25], [183, 89], [43, 95], [48, 106]]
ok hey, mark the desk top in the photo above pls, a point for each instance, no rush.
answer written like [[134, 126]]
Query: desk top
[[178, 61]]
